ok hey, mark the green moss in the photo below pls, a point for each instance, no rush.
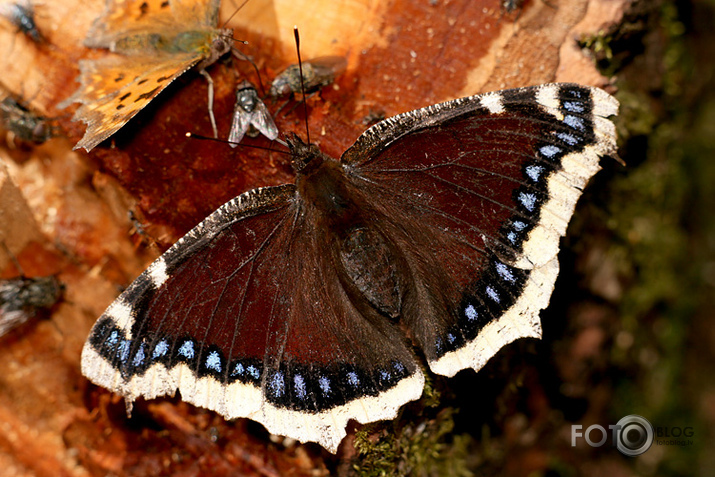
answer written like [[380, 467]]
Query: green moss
[[599, 44], [420, 447], [652, 201]]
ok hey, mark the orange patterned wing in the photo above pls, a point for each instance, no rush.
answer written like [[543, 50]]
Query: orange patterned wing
[[114, 89], [123, 19]]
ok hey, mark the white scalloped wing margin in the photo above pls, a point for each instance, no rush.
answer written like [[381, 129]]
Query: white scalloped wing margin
[[236, 400], [519, 321], [566, 185], [542, 244]]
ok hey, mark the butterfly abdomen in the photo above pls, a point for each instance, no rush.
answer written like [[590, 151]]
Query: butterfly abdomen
[[370, 264], [139, 43]]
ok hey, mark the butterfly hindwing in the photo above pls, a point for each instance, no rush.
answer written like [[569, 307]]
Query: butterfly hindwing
[[484, 188], [247, 316]]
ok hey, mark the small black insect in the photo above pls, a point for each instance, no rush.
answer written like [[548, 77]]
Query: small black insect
[[250, 116], [22, 15], [317, 73], [23, 123], [21, 298], [510, 5]]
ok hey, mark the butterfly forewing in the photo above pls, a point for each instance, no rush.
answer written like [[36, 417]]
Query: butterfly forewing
[[122, 19], [484, 188], [136, 81]]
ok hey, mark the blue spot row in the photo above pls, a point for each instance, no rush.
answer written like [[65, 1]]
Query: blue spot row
[[515, 231], [312, 389], [294, 387], [249, 372], [574, 107]]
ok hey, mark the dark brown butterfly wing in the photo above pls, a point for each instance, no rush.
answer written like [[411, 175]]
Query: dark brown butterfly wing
[[267, 309], [476, 193], [245, 315]]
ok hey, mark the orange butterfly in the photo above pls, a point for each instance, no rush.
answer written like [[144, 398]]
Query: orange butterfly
[[156, 41]]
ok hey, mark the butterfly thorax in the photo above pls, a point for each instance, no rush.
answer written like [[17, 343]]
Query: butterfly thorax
[[220, 44], [369, 262]]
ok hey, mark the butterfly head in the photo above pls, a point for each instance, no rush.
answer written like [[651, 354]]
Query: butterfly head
[[306, 156], [221, 43]]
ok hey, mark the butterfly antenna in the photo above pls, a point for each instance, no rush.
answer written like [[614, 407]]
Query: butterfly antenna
[[302, 86], [251, 146], [13, 258], [244, 57], [234, 13]]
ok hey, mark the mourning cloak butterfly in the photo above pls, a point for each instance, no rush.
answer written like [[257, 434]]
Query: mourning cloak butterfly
[[250, 116], [296, 305]]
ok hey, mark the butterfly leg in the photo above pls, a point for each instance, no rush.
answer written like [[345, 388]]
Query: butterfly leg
[[297, 103], [244, 57], [205, 74]]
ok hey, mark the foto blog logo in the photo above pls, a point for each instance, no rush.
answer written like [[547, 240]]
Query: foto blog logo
[[632, 435]]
